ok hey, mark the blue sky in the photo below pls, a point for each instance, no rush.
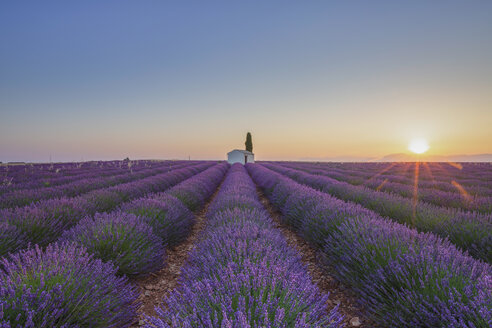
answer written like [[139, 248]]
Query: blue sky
[[153, 79]]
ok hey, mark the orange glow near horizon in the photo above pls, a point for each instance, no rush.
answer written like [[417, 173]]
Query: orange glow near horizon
[[380, 173], [455, 165], [429, 171], [466, 196], [462, 191], [307, 142], [404, 170], [382, 184]]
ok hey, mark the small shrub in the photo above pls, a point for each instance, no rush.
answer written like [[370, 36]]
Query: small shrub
[[63, 286], [122, 238], [168, 217]]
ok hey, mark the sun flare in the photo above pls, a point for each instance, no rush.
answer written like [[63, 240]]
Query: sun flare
[[418, 146]]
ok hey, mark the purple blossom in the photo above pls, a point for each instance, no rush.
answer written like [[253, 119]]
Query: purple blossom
[[122, 238], [168, 217], [242, 273], [45, 221], [63, 286], [470, 230], [405, 278]]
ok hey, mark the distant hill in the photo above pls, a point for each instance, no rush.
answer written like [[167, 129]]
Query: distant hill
[[403, 157]]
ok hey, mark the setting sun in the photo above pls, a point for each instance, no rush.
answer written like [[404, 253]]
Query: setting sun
[[418, 146]]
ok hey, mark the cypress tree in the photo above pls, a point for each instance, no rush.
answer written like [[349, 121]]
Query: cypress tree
[[249, 143]]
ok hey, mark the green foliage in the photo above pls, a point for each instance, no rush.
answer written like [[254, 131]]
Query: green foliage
[[249, 143]]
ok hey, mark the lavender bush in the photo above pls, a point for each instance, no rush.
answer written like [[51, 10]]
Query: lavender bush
[[231, 201], [409, 279], [102, 200], [122, 238], [10, 238], [168, 217], [195, 191], [63, 286], [258, 295], [43, 223], [241, 235]]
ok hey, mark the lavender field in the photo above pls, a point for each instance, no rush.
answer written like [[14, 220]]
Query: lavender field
[[245, 164], [270, 244]]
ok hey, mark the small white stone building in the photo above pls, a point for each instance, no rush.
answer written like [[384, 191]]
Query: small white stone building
[[240, 156]]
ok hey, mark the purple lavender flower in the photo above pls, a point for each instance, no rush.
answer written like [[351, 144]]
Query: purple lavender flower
[[42, 223], [410, 279], [470, 230], [63, 286], [405, 278], [258, 295], [242, 272], [168, 217], [231, 201], [195, 191], [102, 200], [11, 238], [122, 238]]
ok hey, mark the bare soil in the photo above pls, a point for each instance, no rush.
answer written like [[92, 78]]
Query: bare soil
[[339, 294]]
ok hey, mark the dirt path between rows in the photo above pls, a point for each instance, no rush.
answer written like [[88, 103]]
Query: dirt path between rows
[[339, 294], [157, 286]]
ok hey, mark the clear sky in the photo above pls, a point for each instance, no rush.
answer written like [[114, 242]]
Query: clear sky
[[309, 79]]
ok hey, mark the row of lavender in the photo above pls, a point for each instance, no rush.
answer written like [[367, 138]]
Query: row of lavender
[[474, 185], [466, 173], [476, 181], [475, 178], [468, 230], [404, 278], [22, 197], [44, 222], [79, 173], [242, 273], [135, 235], [67, 286], [14, 175], [40, 182], [456, 196]]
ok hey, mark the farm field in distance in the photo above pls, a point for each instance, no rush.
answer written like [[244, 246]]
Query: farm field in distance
[[266, 244]]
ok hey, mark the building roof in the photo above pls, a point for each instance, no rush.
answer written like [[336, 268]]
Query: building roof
[[242, 151]]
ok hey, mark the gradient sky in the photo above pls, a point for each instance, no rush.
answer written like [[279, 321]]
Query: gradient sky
[[309, 79]]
